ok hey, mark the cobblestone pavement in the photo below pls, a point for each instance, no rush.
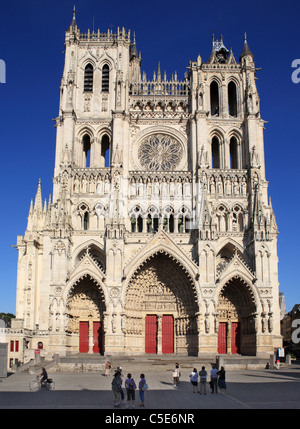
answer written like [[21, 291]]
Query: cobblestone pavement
[[246, 389]]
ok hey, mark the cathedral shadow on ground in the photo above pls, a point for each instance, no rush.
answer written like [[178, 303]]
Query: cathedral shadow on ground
[[265, 395]]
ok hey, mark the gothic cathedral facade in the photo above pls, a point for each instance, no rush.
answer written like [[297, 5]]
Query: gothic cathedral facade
[[159, 236]]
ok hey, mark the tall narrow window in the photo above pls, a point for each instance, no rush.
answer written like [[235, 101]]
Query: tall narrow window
[[149, 223], [88, 78], [105, 78], [133, 223], [232, 100], [86, 151], [214, 99], [86, 221], [215, 152], [233, 153], [139, 223], [105, 151]]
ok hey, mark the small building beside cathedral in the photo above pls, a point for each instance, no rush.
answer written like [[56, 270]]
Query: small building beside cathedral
[[159, 236]]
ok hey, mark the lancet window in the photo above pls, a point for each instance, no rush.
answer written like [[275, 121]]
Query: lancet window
[[214, 99], [215, 151], [232, 99], [88, 78], [136, 220], [86, 142], [233, 153], [105, 151], [105, 78]]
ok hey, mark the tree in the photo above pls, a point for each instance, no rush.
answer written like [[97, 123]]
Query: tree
[[7, 318]]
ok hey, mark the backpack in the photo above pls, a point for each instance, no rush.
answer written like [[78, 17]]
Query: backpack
[[131, 384]]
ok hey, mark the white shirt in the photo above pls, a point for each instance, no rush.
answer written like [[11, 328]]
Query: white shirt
[[194, 376]]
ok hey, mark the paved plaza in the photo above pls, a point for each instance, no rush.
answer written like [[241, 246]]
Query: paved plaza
[[246, 389]]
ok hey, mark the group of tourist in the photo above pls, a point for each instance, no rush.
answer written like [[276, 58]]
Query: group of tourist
[[198, 381], [130, 386]]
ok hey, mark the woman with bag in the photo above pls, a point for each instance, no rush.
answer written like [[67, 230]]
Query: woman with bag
[[142, 388], [130, 387]]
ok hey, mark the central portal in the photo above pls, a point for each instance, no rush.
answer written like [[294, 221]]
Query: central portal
[[161, 308], [156, 338]]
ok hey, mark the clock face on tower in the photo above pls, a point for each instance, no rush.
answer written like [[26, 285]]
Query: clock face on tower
[[160, 152]]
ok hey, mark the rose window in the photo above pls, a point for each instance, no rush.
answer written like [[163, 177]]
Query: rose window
[[160, 152]]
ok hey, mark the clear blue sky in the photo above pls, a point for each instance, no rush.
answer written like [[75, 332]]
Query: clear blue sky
[[172, 32]]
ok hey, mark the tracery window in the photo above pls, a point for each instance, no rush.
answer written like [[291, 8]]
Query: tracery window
[[160, 152], [237, 219], [152, 219], [136, 220], [83, 212], [168, 219], [184, 220]]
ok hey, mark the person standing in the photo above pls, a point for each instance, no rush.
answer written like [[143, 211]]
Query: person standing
[[176, 375], [194, 379], [130, 388], [214, 379], [107, 368], [116, 388], [222, 382], [142, 388], [203, 380], [119, 370]]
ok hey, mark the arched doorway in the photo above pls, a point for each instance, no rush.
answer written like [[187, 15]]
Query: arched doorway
[[161, 308], [85, 311], [236, 316]]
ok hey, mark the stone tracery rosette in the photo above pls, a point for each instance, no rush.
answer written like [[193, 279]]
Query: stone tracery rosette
[[160, 152]]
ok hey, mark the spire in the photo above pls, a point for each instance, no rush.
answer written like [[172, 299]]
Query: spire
[[73, 24], [30, 217], [158, 72], [133, 49], [31, 207], [38, 204], [246, 49]]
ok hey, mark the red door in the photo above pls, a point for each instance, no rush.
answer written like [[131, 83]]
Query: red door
[[97, 337], [151, 334], [83, 337], [235, 337], [222, 338], [167, 334]]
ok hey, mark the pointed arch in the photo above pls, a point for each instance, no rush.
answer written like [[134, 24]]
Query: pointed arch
[[232, 99], [160, 289], [85, 307], [159, 244], [88, 78], [105, 78], [237, 309], [214, 98], [91, 248]]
